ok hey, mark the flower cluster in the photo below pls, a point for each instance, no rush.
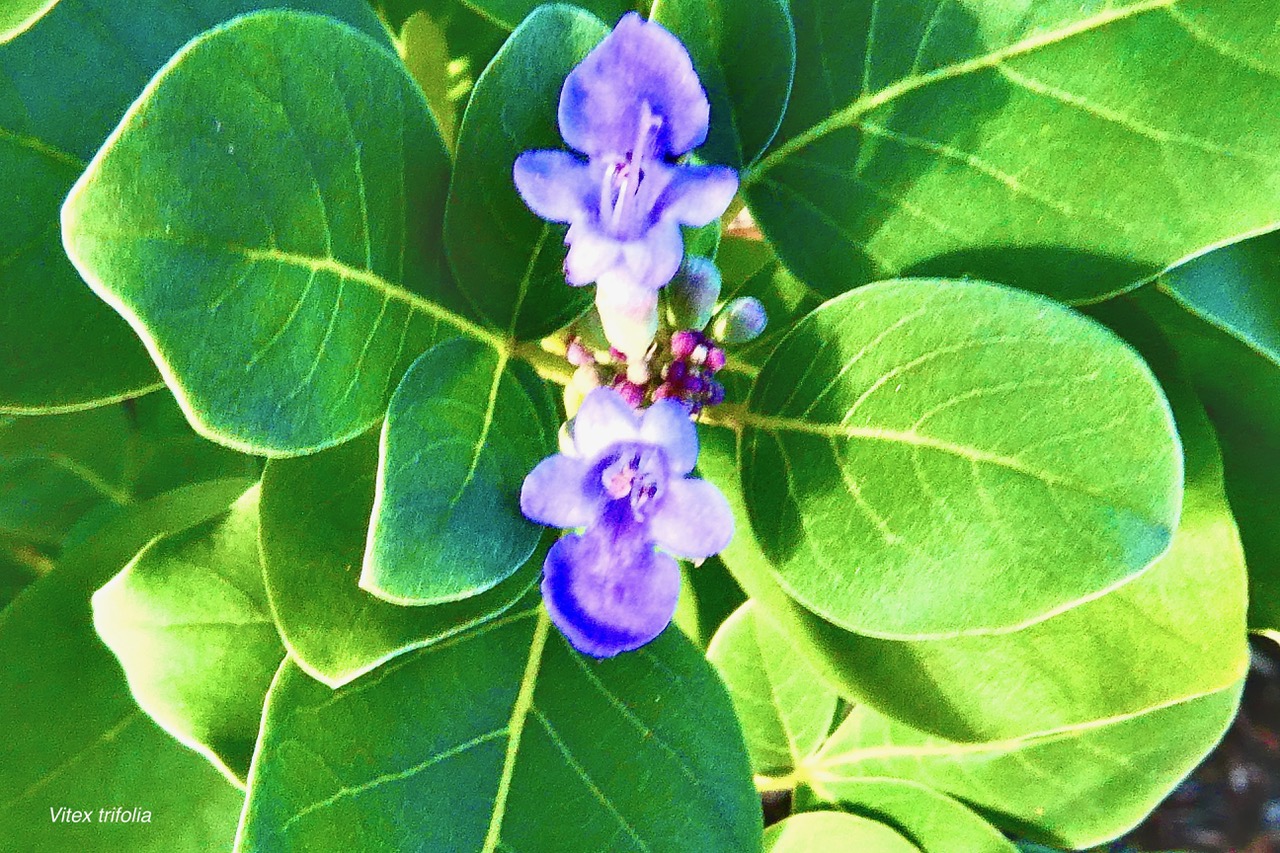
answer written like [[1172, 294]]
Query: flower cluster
[[631, 110]]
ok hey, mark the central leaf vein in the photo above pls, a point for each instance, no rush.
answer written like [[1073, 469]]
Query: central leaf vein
[[777, 424], [519, 716]]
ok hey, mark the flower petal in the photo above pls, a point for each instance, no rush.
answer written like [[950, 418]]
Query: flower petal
[[694, 520], [555, 184], [654, 259], [609, 594], [556, 493], [603, 420], [696, 195], [628, 313], [591, 254], [639, 62], [666, 423]]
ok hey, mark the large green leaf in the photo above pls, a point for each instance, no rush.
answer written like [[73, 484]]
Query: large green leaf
[[785, 710], [286, 170], [931, 820], [921, 458], [64, 348], [1174, 633], [745, 54], [315, 513], [1075, 787], [17, 16], [20, 566], [1235, 289], [532, 748], [54, 469], [1219, 311], [1164, 636], [508, 262], [460, 436], [189, 621], [1056, 146], [834, 832], [73, 734]]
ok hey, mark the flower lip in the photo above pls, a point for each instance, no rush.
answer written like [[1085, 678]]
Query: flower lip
[[608, 591], [613, 587]]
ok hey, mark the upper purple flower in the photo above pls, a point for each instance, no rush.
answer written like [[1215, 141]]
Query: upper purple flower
[[633, 106], [624, 479]]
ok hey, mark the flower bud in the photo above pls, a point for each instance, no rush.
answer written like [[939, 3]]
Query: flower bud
[[715, 359], [683, 343], [585, 378], [740, 321], [692, 295], [631, 393], [578, 355]]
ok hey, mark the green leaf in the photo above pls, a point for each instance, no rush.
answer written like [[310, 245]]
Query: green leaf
[[1235, 289], [166, 453], [921, 459], [73, 734], [54, 469], [315, 512], [716, 593], [1052, 147], [1219, 312], [307, 271], [745, 55], [1172, 634], [834, 832], [931, 820], [63, 348], [425, 51], [510, 13], [686, 615], [17, 16], [189, 621], [785, 710], [532, 748], [514, 273], [1075, 787], [461, 435], [19, 568]]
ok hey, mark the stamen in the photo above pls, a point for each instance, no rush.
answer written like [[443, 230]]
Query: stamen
[[624, 177], [634, 477]]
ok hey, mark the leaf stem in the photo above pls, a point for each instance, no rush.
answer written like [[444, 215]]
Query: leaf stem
[[546, 363], [778, 783]]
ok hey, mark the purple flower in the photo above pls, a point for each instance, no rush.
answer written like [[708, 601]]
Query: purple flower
[[633, 106], [624, 479]]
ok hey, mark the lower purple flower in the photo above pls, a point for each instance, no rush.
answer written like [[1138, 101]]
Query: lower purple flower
[[623, 480]]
